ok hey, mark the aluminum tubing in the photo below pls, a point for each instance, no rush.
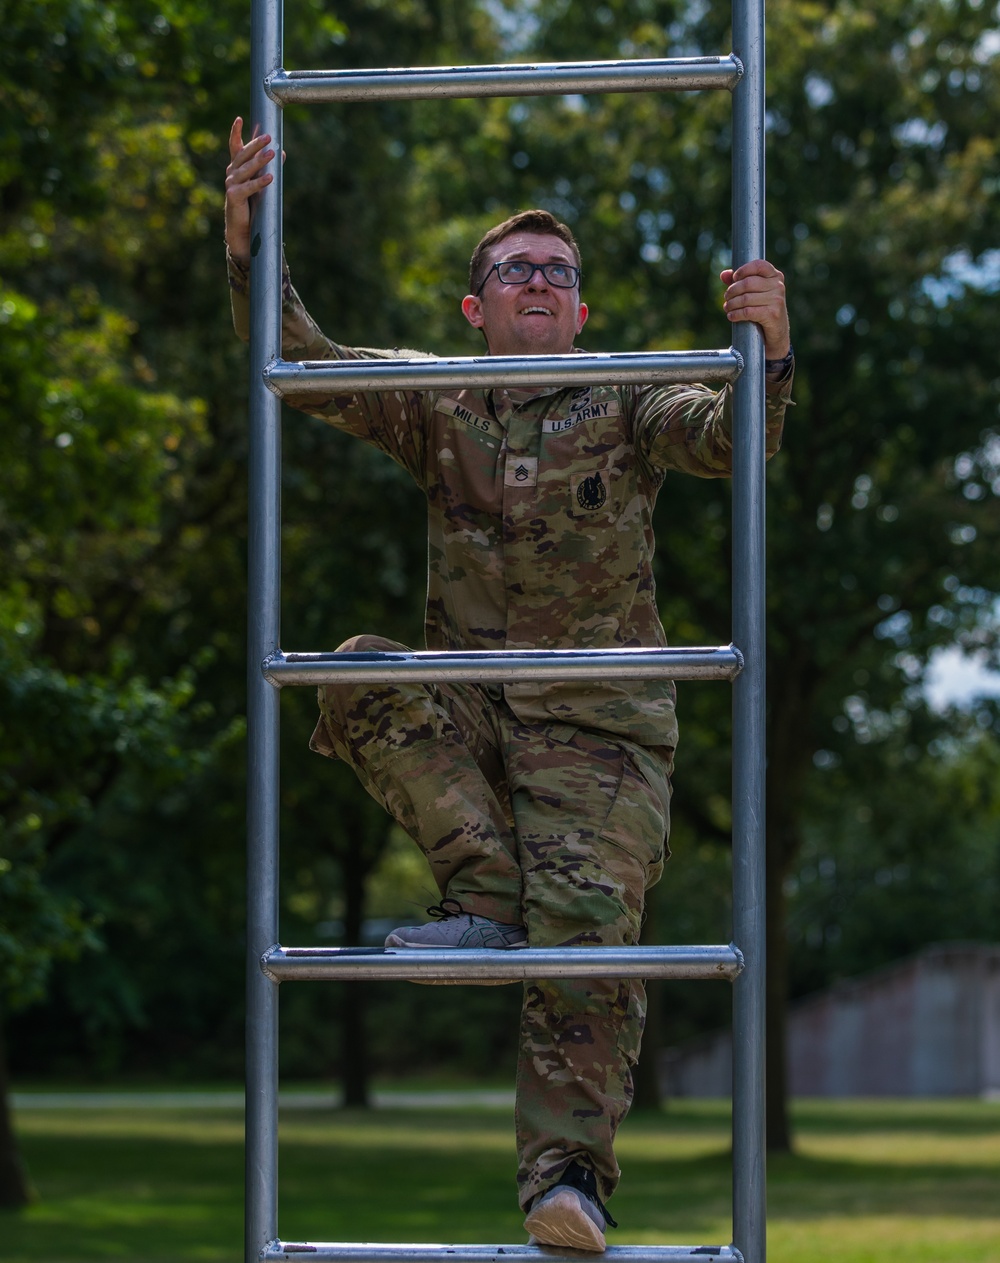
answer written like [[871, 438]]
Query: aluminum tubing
[[749, 730], [370, 1252], [321, 379], [310, 964], [263, 601], [503, 666], [677, 74]]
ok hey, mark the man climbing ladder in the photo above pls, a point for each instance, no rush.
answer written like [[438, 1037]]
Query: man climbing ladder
[[543, 809]]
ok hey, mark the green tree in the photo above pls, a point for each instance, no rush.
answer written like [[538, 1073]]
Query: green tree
[[889, 487], [128, 569], [123, 507], [88, 463], [901, 847], [100, 466], [882, 212]]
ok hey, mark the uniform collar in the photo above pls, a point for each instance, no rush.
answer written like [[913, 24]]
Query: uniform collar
[[518, 395]]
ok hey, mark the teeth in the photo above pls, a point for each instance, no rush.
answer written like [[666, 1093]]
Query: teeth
[[531, 311]]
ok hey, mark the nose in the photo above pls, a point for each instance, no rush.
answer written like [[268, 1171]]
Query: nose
[[542, 283]]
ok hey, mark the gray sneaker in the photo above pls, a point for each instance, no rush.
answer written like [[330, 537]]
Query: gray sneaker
[[454, 927], [570, 1214]]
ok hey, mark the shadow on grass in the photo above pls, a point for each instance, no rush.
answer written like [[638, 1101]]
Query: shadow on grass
[[129, 1198], [967, 1117], [805, 1186], [155, 1187]]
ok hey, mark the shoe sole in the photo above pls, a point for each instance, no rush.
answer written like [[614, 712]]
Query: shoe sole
[[559, 1220], [393, 942]]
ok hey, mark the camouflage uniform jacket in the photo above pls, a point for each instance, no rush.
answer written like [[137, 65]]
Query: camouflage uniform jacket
[[540, 508]]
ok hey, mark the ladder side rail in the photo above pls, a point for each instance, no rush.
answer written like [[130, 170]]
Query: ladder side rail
[[323, 378], [484, 666], [421, 83], [749, 840], [263, 605]]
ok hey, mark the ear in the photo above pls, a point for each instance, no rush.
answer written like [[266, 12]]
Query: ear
[[472, 310], [581, 318]]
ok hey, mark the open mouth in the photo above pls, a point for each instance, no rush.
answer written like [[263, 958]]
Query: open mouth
[[535, 311]]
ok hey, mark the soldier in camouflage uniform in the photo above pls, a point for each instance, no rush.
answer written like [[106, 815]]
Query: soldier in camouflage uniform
[[543, 810]]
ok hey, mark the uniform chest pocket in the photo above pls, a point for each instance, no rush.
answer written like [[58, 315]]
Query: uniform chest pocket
[[592, 496]]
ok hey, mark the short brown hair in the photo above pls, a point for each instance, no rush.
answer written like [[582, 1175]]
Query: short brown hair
[[540, 221]]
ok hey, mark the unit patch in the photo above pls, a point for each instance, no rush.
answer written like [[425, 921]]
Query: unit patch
[[592, 491]]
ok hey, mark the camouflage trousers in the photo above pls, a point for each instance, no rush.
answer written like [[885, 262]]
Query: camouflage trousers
[[557, 828]]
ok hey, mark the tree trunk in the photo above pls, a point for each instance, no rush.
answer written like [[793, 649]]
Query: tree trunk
[[354, 1045], [788, 762], [354, 995], [779, 1130], [15, 1190]]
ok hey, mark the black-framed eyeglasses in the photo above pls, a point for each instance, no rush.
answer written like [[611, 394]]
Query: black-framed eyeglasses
[[521, 271]]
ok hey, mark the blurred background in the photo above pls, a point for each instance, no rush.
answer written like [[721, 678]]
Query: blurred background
[[123, 502]]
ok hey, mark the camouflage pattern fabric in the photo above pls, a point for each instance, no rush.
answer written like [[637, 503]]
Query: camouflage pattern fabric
[[546, 825], [545, 804], [540, 511]]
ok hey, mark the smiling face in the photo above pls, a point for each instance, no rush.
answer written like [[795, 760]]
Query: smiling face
[[531, 319]]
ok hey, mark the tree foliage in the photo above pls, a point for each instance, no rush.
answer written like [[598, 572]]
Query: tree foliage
[[882, 212], [122, 511]]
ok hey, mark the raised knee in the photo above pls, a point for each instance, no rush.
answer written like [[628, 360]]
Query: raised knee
[[371, 644]]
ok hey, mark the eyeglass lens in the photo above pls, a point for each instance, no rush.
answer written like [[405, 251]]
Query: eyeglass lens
[[519, 272]]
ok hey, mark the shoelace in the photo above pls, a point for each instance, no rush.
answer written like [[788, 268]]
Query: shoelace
[[452, 910], [443, 911], [584, 1180]]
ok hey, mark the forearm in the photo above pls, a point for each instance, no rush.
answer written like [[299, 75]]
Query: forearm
[[689, 428], [301, 337], [391, 421]]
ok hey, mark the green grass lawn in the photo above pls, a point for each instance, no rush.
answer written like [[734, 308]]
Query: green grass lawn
[[870, 1181]]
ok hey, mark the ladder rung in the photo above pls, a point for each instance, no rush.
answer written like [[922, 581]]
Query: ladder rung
[[365, 1252], [666, 74], [323, 378], [505, 666], [288, 964]]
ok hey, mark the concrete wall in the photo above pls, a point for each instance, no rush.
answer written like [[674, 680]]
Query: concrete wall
[[928, 1026]]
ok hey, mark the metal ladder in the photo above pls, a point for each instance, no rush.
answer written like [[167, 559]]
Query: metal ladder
[[741, 662]]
